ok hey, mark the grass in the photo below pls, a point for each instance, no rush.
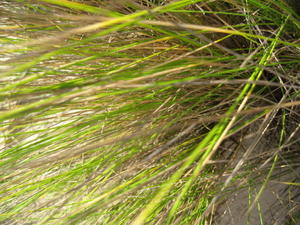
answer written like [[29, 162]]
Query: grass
[[139, 112]]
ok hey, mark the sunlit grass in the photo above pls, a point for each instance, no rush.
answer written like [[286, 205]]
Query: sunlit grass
[[121, 112]]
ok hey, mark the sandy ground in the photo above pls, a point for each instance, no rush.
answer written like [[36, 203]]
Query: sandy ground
[[279, 204]]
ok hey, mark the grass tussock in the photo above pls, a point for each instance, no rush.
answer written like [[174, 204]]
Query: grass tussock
[[147, 111]]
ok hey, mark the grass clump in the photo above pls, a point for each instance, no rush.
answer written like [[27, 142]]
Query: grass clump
[[146, 112]]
